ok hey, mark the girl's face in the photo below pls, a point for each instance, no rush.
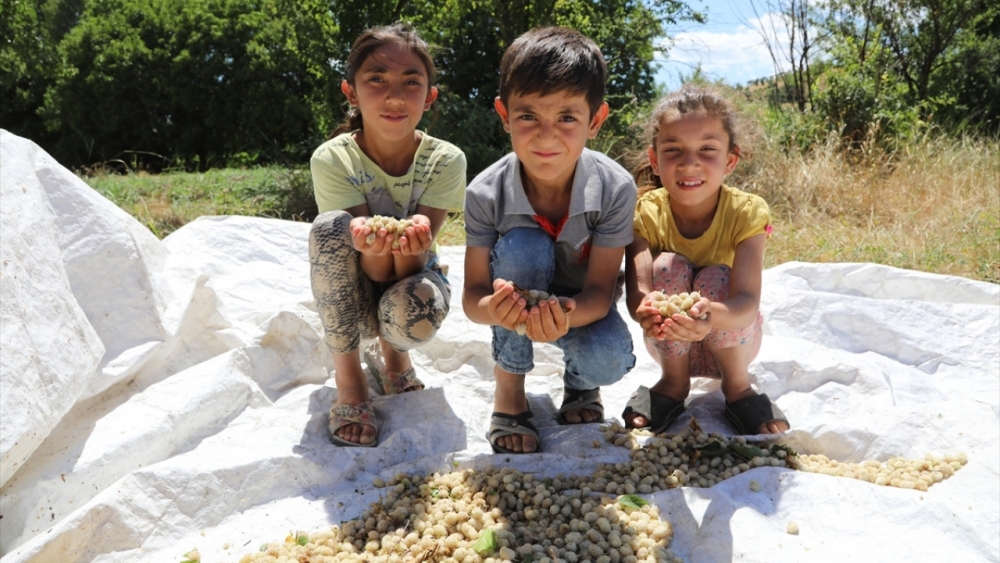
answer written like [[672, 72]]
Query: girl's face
[[691, 156], [391, 88]]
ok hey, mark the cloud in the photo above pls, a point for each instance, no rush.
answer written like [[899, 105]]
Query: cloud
[[736, 56]]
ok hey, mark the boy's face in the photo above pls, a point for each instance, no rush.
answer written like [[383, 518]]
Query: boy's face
[[549, 132]]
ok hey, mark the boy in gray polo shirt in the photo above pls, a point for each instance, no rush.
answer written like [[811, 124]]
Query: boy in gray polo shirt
[[552, 216]]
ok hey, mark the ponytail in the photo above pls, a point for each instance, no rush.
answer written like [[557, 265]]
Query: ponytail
[[352, 122]]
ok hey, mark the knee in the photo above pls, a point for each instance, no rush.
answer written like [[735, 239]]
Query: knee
[[676, 264], [713, 282], [411, 312], [525, 256], [330, 226]]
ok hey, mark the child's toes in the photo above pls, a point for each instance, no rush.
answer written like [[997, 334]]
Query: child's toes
[[636, 421], [519, 443], [773, 427], [357, 433]]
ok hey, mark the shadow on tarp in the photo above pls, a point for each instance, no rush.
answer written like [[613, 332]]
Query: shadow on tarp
[[419, 433], [702, 518]]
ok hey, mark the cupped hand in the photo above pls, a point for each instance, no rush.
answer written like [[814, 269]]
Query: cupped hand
[[689, 328], [418, 238], [382, 244], [548, 321], [506, 307], [649, 318]]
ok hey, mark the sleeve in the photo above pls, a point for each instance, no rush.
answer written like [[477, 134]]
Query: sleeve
[[754, 219], [446, 187], [331, 184], [615, 229], [642, 227], [480, 229]]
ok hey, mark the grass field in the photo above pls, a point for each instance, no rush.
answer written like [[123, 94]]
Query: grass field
[[933, 206]]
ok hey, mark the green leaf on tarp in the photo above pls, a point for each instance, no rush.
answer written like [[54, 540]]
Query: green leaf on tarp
[[745, 452], [787, 449], [486, 544], [632, 501], [714, 448]]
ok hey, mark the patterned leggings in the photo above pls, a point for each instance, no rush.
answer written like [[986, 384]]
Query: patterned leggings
[[406, 313], [672, 274]]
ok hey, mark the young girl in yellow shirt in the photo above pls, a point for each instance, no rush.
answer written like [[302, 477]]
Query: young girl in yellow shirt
[[693, 233]]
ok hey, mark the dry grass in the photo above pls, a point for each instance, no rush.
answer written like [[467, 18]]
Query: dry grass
[[932, 206]]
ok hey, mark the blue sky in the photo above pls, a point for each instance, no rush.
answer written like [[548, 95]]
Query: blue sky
[[729, 47]]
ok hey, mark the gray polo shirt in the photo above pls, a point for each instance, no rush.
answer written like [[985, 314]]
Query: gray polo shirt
[[601, 211]]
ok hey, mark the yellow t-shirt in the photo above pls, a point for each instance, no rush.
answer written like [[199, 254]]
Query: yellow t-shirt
[[344, 176], [739, 216]]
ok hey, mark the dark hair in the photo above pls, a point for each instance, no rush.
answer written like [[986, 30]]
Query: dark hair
[[554, 59], [690, 100], [399, 33]]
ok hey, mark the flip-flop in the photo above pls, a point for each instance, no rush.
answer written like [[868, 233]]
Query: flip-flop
[[342, 415], [750, 413], [659, 409], [502, 424], [589, 399], [390, 383]]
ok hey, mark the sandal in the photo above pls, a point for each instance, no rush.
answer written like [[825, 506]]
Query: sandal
[[342, 415], [659, 409], [589, 399], [391, 383], [502, 424], [750, 413]]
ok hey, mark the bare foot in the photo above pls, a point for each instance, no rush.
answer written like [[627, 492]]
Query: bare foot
[[581, 416]]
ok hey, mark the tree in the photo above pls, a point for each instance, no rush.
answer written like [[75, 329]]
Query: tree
[[28, 59], [940, 51], [795, 19], [200, 82]]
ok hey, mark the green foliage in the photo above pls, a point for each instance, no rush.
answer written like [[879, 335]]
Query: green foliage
[[28, 59], [165, 202], [471, 36], [465, 123], [862, 99], [898, 66], [196, 81]]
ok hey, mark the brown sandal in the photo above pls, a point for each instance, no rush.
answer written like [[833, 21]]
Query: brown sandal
[[342, 415], [391, 383]]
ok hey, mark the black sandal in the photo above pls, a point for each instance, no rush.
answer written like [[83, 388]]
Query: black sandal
[[750, 413], [503, 424], [659, 409], [589, 399]]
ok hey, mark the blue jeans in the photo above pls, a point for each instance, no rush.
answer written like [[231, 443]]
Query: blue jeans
[[597, 354]]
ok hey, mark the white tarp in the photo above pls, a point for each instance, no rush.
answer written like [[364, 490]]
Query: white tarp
[[173, 395]]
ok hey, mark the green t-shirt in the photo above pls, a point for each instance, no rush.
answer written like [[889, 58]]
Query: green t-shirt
[[739, 216], [344, 176]]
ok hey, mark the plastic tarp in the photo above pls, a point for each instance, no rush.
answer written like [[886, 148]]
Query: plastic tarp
[[159, 396]]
